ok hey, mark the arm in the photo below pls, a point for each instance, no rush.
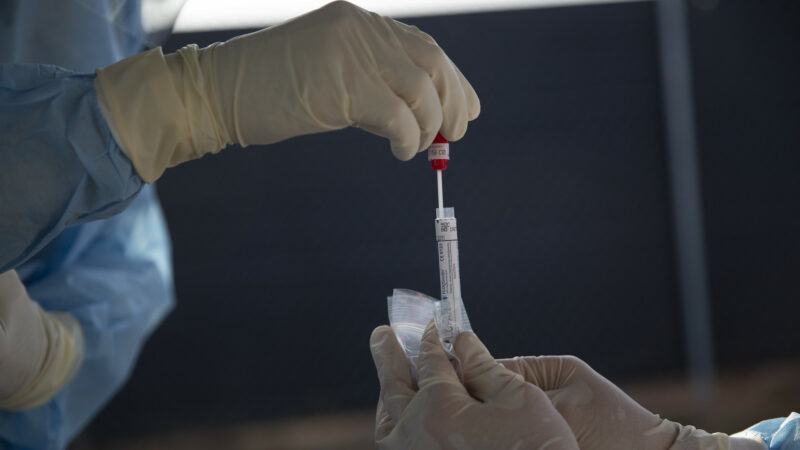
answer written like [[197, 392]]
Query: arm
[[335, 67], [114, 278]]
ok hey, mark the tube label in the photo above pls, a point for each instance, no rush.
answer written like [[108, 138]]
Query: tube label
[[439, 150], [448, 270], [446, 229]]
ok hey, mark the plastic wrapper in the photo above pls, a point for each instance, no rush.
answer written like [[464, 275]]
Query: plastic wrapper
[[409, 314]]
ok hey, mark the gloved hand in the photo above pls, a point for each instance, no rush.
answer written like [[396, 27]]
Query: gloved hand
[[493, 409], [602, 416], [40, 352], [334, 67]]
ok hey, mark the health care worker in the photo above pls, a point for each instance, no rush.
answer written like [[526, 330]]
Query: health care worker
[[84, 253]]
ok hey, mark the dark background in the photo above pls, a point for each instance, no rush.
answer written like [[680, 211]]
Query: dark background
[[284, 255]]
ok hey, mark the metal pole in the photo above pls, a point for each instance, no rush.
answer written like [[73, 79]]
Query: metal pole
[[676, 82]]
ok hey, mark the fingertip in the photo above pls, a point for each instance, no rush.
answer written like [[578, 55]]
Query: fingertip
[[454, 126], [474, 108], [484, 377], [430, 127], [430, 343], [431, 333], [473, 102], [433, 364], [379, 333], [467, 338], [471, 351], [455, 131], [425, 144], [382, 343], [403, 151]]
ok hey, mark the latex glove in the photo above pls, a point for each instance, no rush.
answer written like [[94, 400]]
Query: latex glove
[[493, 409], [602, 416], [334, 67], [40, 352]]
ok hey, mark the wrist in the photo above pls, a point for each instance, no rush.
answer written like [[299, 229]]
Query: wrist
[[743, 443], [154, 107], [22, 339], [691, 438], [58, 361], [195, 81], [40, 352]]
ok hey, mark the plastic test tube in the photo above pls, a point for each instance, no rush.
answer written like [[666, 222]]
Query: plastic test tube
[[447, 244], [449, 276]]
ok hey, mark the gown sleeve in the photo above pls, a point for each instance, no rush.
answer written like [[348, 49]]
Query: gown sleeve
[[114, 276], [777, 434], [59, 164]]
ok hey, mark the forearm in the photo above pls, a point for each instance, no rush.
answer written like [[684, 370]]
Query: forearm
[[59, 164], [40, 351]]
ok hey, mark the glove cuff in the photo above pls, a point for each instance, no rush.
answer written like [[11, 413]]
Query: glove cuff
[[157, 111], [63, 355], [195, 85], [691, 438]]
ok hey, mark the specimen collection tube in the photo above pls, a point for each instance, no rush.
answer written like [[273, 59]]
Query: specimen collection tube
[[450, 281]]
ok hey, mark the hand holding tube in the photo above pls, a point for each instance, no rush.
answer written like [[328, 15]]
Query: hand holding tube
[[493, 409], [334, 67]]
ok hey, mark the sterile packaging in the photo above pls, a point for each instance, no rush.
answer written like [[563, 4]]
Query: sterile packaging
[[409, 314]]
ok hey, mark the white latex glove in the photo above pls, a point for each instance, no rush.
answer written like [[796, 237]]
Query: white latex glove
[[334, 67], [602, 416], [40, 352], [493, 409]]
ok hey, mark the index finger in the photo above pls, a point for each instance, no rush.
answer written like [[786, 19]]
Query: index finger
[[427, 55], [433, 365], [548, 372]]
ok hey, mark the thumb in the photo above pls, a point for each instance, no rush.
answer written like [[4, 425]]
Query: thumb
[[548, 372], [484, 377], [433, 364]]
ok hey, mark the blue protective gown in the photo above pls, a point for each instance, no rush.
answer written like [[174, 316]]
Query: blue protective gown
[[777, 434], [60, 170]]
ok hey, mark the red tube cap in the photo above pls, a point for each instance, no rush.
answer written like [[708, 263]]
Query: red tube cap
[[439, 152]]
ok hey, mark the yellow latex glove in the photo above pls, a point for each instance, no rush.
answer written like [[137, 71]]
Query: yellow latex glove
[[493, 409], [602, 416], [40, 352], [334, 67]]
